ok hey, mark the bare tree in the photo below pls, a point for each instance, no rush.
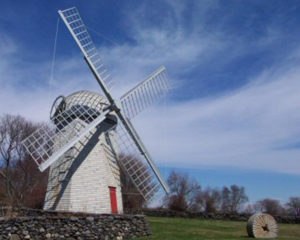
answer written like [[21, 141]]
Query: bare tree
[[237, 198], [249, 209], [18, 173], [233, 198], [270, 206], [132, 198], [186, 194], [198, 202], [183, 192], [212, 200], [225, 195], [293, 206]]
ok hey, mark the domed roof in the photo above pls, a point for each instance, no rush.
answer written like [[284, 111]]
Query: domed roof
[[86, 98]]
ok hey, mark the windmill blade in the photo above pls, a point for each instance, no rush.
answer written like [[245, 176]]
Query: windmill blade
[[139, 166], [47, 144], [129, 134], [145, 93], [79, 32], [154, 83]]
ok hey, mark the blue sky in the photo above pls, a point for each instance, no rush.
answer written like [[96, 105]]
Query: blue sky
[[233, 113]]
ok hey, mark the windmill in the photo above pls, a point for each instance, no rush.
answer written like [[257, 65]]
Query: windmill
[[92, 138]]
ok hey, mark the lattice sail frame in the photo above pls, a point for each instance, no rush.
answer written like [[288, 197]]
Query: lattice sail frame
[[145, 93], [136, 165], [79, 32], [47, 144]]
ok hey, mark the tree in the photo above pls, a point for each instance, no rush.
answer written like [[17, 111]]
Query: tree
[[237, 198], [186, 194], [270, 206], [132, 198], [293, 206], [225, 195], [212, 200], [249, 209], [198, 202], [183, 192], [233, 198], [23, 183]]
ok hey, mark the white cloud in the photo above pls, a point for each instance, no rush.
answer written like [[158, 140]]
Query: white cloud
[[244, 128], [26, 88]]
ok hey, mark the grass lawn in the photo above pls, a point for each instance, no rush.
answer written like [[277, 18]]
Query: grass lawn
[[194, 229]]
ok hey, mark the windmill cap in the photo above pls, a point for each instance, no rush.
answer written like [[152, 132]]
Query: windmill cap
[[87, 99]]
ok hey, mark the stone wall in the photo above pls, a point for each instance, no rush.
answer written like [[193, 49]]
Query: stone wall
[[217, 216], [59, 225]]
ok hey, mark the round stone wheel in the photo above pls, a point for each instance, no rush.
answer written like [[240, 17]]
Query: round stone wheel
[[262, 225]]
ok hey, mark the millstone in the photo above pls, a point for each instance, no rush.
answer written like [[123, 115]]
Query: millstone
[[262, 225]]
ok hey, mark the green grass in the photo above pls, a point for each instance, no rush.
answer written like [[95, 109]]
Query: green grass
[[194, 229]]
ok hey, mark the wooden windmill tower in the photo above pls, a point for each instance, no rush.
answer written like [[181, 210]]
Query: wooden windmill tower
[[92, 137]]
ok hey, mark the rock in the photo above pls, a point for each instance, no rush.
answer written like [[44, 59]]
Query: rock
[[46, 225], [48, 235], [90, 219], [14, 237], [87, 232]]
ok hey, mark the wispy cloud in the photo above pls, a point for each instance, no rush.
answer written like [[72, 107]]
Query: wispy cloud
[[240, 129], [245, 127]]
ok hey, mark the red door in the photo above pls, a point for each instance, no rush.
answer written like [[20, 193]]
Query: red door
[[113, 200]]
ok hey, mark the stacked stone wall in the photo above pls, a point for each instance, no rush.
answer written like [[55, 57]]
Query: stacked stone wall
[[25, 223]]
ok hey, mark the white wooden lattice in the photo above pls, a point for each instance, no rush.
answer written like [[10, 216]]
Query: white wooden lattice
[[47, 144]]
